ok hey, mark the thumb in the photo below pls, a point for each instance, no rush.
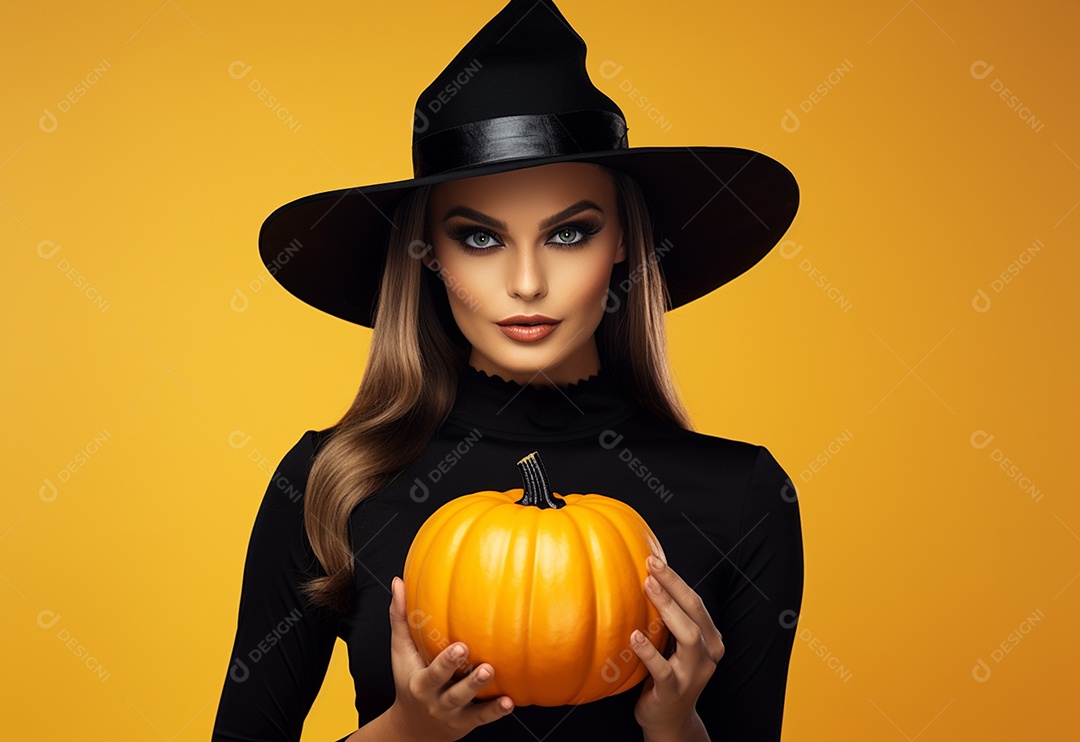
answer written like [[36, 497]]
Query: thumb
[[401, 641]]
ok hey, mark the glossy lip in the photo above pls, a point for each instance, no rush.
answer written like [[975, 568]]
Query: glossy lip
[[528, 333], [534, 319]]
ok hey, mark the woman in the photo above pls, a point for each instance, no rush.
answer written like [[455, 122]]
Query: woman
[[517, 287]]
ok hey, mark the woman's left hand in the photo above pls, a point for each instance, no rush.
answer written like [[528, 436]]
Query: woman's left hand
[[668, 700]]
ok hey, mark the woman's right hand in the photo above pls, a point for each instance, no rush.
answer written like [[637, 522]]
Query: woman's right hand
[[432, 704]]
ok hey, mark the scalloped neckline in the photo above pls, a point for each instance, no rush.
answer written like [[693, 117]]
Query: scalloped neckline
[[501, 383]]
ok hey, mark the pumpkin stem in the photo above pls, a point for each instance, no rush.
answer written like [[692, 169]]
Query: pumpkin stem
[[535, 484]]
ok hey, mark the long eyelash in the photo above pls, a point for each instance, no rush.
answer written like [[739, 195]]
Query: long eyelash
[[459, 234], [587, 228]]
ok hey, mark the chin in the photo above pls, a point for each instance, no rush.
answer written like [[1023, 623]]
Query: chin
[[525, 368], [521, 362]]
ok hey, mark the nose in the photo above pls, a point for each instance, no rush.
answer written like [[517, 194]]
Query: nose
[[525, 273]]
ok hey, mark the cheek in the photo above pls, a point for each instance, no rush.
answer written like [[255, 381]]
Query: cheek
[[464, 283], [590, 285], [448, 269]]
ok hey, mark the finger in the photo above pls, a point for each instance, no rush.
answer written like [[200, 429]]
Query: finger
[[401, 640], [484, 713], [686, 632], [683, 594], [659, 668], [433, 679], [691, 606], [464, 690]]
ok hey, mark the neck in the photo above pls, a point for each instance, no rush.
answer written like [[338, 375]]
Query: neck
[[504, 409]]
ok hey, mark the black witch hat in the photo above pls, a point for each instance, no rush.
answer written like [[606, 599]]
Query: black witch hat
[[516, 96]]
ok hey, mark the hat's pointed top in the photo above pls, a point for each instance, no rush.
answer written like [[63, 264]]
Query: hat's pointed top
[[529, 27], [518, 95], [528, 59]]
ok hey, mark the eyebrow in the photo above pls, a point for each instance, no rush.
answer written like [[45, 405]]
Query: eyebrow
[[550, 221]]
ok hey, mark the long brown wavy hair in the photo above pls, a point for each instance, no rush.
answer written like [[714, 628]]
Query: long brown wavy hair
[[417, 353]]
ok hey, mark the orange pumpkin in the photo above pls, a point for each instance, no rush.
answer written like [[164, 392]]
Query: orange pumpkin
[[545, 589]]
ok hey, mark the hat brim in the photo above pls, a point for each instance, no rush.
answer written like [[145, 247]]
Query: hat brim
[[717, 212]]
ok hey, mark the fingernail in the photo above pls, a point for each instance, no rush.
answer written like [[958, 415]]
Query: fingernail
[[652, 585], [637, 637], [457, 652], [655, 563]]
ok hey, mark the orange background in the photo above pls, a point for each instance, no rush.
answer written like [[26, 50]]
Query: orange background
[[873, 352]]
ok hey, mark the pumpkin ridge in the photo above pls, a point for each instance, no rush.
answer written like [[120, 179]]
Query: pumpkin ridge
[[508, 578], [602, 503], [532, 517], [433, 547], [453, 572], [586, 544], [494, 515], [414, 585], [619, 523]]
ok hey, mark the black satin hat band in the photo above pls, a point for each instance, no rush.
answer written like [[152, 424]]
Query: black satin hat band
[[522, 97], [512, 137]]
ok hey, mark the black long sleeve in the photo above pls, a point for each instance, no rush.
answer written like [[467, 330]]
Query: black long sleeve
[[282, 646], [724, 511], [758, 616]]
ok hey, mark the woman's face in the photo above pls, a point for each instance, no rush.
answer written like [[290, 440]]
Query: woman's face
[[539, 243]]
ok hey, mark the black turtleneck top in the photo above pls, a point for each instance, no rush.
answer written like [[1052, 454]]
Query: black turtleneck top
[[724, 511]]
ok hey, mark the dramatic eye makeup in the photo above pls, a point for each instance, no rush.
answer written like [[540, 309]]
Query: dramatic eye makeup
[[481, 239], [568, 235]]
